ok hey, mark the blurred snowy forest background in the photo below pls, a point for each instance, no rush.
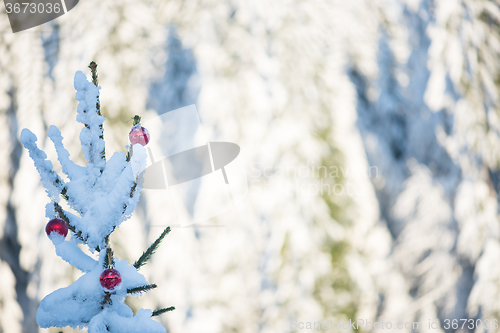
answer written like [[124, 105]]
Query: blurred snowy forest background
[[397, 99]]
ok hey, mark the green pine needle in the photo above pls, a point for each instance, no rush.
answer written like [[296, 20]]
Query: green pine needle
[[93, 70], [109, 260], [160, 311], [137, 119], [152, 248], [139, 289]]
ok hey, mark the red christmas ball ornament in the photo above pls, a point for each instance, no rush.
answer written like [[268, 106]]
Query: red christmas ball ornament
[[110, 278], [139, 134], [57, 225]]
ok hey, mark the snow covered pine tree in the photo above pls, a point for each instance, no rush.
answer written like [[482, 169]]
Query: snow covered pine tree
[[104, 194]]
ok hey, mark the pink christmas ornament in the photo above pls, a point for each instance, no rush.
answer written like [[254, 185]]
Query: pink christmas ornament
[[57, 225], [110, 278], [139, 134]]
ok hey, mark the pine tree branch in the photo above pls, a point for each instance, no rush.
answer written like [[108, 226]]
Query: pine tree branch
[[139, 289], [160, 311], [95, 76], [60, 211], [65, 196], [106, 299], [109, 261], [94, 136], [49, 176], [137, 119], [132, 191], [70, 168], [93, 70], [152, 248], [63, 193]]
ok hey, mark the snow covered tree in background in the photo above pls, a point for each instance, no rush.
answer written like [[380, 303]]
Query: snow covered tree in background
[[407, 86], [103, 194]]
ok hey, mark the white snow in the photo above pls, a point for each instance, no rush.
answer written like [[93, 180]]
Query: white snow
[[44, 167], [74, 305], [56, 237], [121, 324], [130, 276], [87, 94], [80, 303], [138, 159], [72, 254]]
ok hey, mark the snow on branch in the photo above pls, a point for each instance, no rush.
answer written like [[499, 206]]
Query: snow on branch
[[70, 168], [69, 219], [72, 254], [53, 184], [112, 321], [91, 136]]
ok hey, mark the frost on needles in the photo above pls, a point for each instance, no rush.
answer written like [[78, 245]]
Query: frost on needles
[[101, 195]]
